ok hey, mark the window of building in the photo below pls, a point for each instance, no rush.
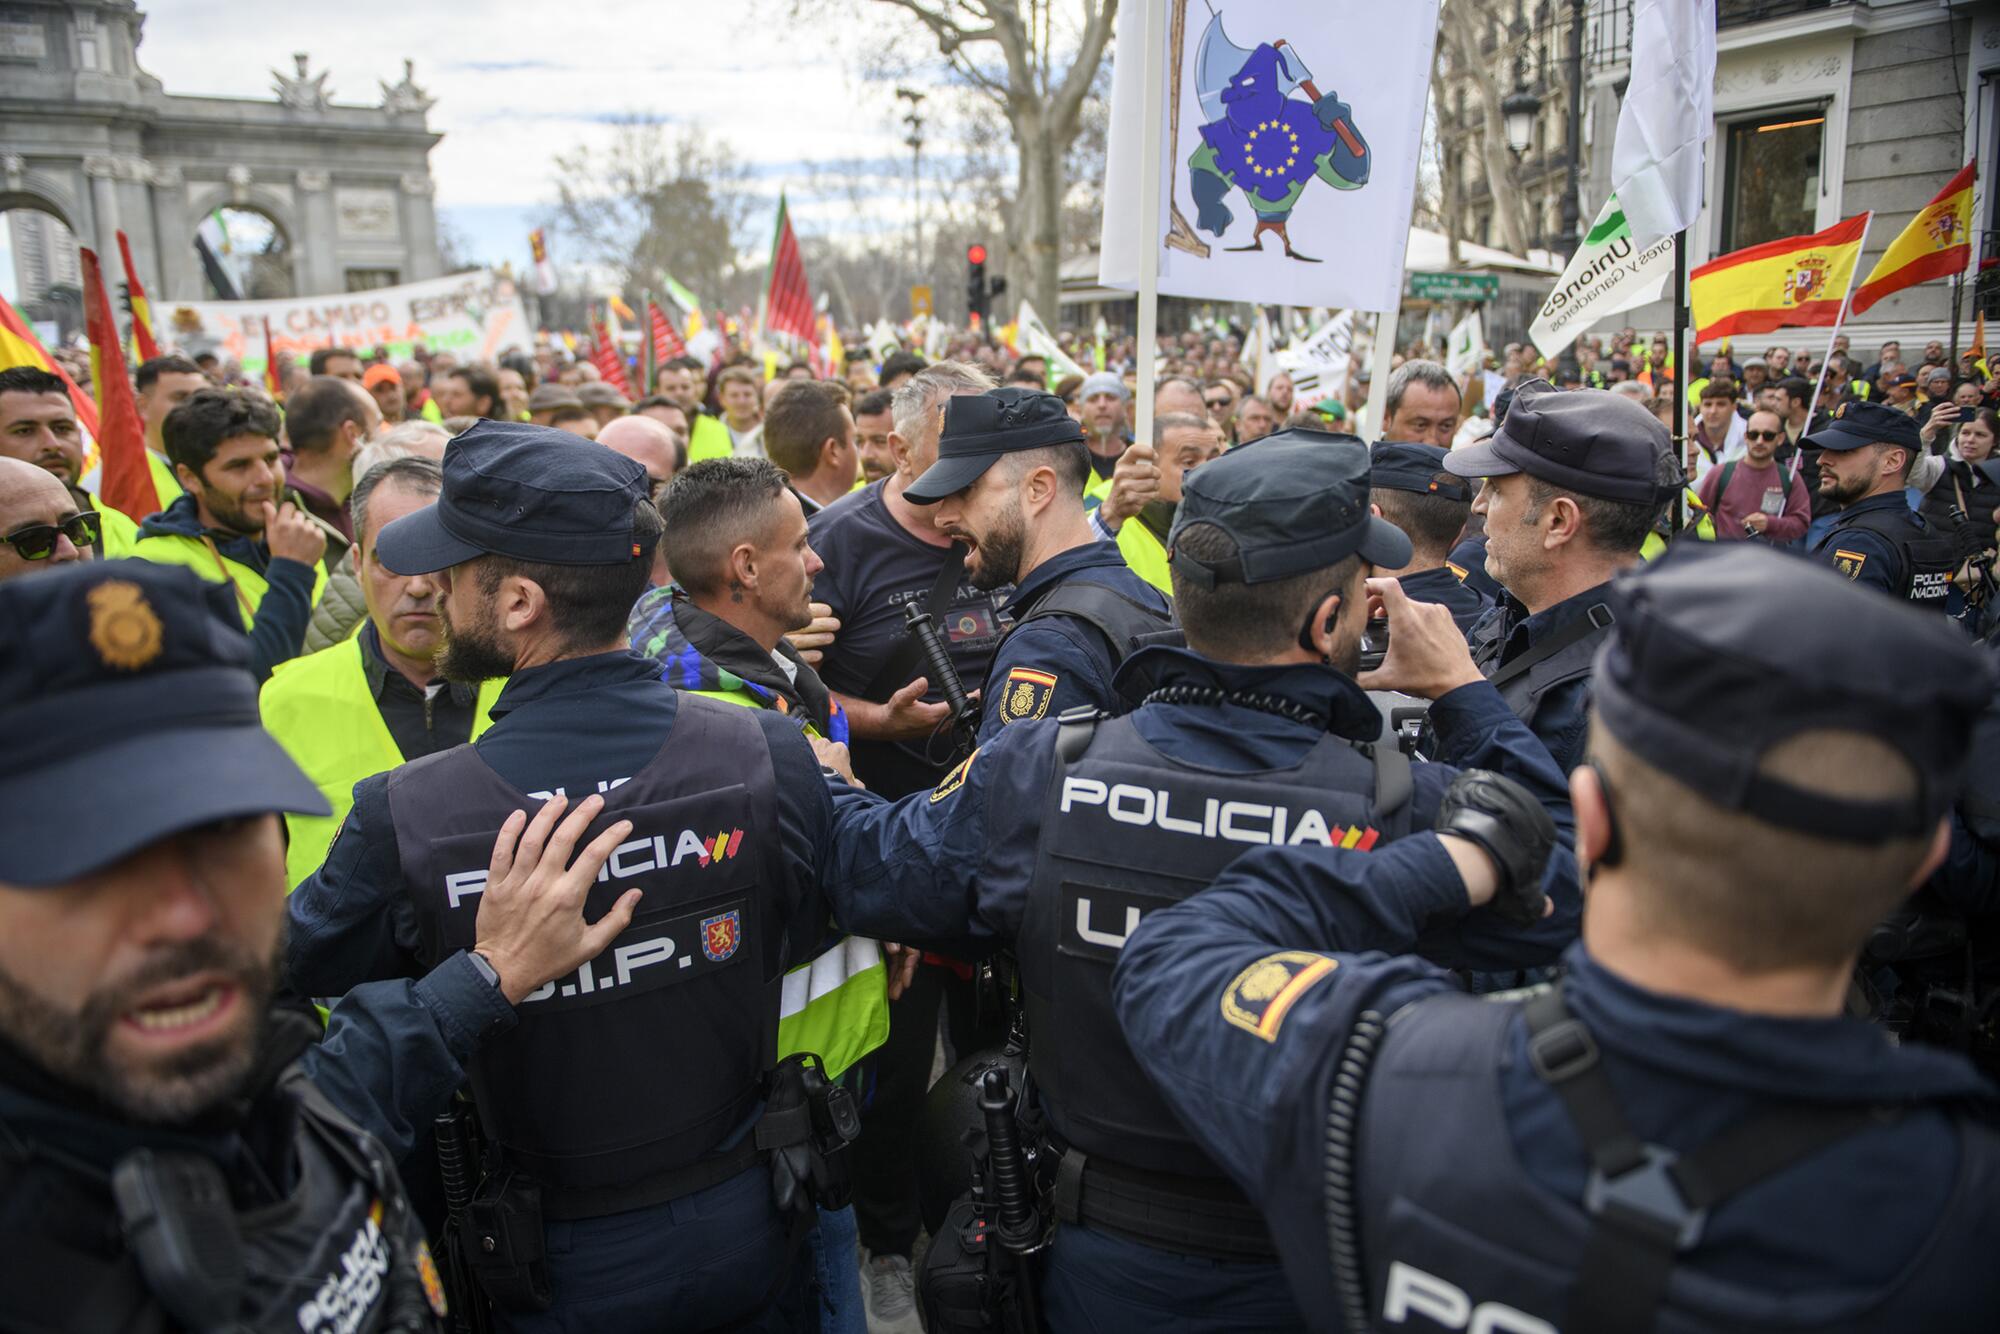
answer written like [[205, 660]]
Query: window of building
[[367, 280], [1771, 178]]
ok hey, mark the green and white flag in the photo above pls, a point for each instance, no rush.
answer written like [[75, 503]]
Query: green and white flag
[[1607, 274]]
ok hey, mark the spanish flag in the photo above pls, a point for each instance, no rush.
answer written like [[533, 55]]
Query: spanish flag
[[20, 347], [1793, 282], [1936, 244], [127, 481], [274, 375], [144, 347]]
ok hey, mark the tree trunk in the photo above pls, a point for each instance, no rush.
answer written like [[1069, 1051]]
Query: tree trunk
[[1034, 225]]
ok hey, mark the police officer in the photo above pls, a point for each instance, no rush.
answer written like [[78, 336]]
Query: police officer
[[1057, 836], [1008, 485], [1685, 1134], [1409, 486], [174, 1150], [1865, 454], [622, 1113], [1574, 482]]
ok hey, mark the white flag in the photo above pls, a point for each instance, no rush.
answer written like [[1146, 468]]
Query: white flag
[[882, 341], [1319, 365], [1033, 339], [1669, 110], [1608, 273], [1468, 347]]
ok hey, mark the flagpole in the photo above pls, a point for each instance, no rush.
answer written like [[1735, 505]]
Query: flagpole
[[1681, 341], [1150, 149], [1846, 299], [1378, 384], [1957, 301]]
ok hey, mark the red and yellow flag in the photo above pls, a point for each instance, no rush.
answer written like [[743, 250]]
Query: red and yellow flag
[[274, 378], [144, 348], [1793, 282], [1936, 244], [20, 347], [127, 481]]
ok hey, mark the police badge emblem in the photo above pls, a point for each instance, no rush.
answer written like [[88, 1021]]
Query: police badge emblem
[[1025, 695], [1259, 997], [1849, 563], [124, 628], [721, 934]]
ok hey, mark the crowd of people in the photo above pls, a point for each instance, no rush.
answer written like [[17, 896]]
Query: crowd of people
[[551, 841]]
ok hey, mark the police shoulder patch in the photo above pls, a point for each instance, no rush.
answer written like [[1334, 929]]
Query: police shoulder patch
[[1849, 563], [1025, 694], [1259, 997], [954, 780]]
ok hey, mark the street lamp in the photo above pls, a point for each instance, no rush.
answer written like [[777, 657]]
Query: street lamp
[[1518, 110]]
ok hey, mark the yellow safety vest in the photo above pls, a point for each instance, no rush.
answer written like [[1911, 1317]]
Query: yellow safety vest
[[1144, 554], [1703, 525], [836, 1005], [708, 438], [167, 486], [321, 711], [1095, 490], [178, 549], [120, 533]]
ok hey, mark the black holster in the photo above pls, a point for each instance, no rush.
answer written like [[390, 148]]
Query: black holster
[[807, 1124], [505, 1246]]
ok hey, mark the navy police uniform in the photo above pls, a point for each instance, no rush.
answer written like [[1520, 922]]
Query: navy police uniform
[[1593, 443], [1604, 1156], [1879, 540], [130, 718], [1058, 836], [1419, 469], [626, 1093], [1075, 616]]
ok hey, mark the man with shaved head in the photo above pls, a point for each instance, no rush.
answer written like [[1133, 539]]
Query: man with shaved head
[[41, 524], [648, 443]]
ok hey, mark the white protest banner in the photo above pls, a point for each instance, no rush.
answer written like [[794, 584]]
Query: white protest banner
[[474, 316], [1290, 136], [882, 341], [1319, 365], [1034, 340], [1608, 273], [1467, 352]]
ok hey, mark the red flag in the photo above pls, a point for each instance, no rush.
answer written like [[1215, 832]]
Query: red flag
[[143, 346], [788, 307], [127, 481], [605, 356], [667, 342], [274, 381]]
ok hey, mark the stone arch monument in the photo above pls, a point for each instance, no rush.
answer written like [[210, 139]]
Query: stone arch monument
[[89, 137]]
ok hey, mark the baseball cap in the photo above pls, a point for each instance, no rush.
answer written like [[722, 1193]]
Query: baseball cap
[[380, 373], [1720, 651], [979, 428], [1590, 441], [1292, 501], [1397, 466], [131, 716], [1859, 422], [521, 490]]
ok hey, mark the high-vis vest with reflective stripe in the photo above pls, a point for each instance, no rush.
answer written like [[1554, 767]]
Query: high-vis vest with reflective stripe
[[321, 711], [708, 438], [175, 549], [1145, 555], [838, 1004], [1095, 490]]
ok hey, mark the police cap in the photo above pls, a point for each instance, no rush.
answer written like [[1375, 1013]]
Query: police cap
[[1719, 652], [1293, 501], [530, 492], [1396, 466], [1859, 423], [130, 716], [1590, 441], [979, 428]]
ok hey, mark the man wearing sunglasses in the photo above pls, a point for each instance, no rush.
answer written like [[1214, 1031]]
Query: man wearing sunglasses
[[38, 426], [41, 525], [1756, 496]]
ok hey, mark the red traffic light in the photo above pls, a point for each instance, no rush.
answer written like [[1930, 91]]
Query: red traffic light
[[975, 254]]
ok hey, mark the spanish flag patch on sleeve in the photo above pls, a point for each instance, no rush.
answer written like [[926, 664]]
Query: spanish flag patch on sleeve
[[1262, 994], [1849, 563], [1025, 695]]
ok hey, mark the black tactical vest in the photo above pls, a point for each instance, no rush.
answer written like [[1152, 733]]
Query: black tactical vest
[[634, 1066], [1122, 621], [1571, 659], [1450, 1221], [342, 1251], [1128, 830], [1929, 557]]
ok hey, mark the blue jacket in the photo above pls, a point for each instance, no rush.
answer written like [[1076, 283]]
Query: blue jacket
[[1062, 647], [1561, 717], [1883, 565], [1470, 556], [1445, 588], [286, 609], [577, 726], [950, 869], [1257, 1100]]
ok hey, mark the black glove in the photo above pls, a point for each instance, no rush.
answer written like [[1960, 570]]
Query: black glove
[[1509, 826]]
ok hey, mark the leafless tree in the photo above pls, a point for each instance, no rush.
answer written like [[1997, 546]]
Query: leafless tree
[[1474, 51]]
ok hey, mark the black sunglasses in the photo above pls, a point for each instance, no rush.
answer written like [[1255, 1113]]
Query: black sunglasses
[[1763, 435], [38, 541]]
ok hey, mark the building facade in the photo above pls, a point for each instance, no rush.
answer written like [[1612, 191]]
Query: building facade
[[88, 137]]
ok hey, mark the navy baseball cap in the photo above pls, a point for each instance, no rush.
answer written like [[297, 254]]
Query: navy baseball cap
[[1590, 441], [526, 491], [1293, 501], [1720, 651], [1859, 423], [979, 428], [1397, 466], [130, 716]]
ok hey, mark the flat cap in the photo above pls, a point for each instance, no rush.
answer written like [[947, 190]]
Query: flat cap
[[979, 428], [1590, 441], [1399, 466], [549, 397], [597, 394], [1293, 502]]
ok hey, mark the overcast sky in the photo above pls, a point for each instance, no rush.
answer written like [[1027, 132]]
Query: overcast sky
[[518, 82]]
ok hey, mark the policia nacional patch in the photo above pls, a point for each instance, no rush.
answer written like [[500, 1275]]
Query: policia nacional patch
[[1849, 563], [954, 780], [1261, 995], [1026, 695]]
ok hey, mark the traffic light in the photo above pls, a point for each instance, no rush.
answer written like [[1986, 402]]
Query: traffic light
[[975, 282]]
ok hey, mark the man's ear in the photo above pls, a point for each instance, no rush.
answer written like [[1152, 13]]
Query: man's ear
[[1324, 617], [1592, 813], [1562, 522], [743, 566], [520, 604]]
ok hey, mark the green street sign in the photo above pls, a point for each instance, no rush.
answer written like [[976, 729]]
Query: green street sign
[[1454, 286]]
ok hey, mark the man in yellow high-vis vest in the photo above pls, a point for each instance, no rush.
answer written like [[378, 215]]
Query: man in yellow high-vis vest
[[38, 426], [236, 525], [375, 699]]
